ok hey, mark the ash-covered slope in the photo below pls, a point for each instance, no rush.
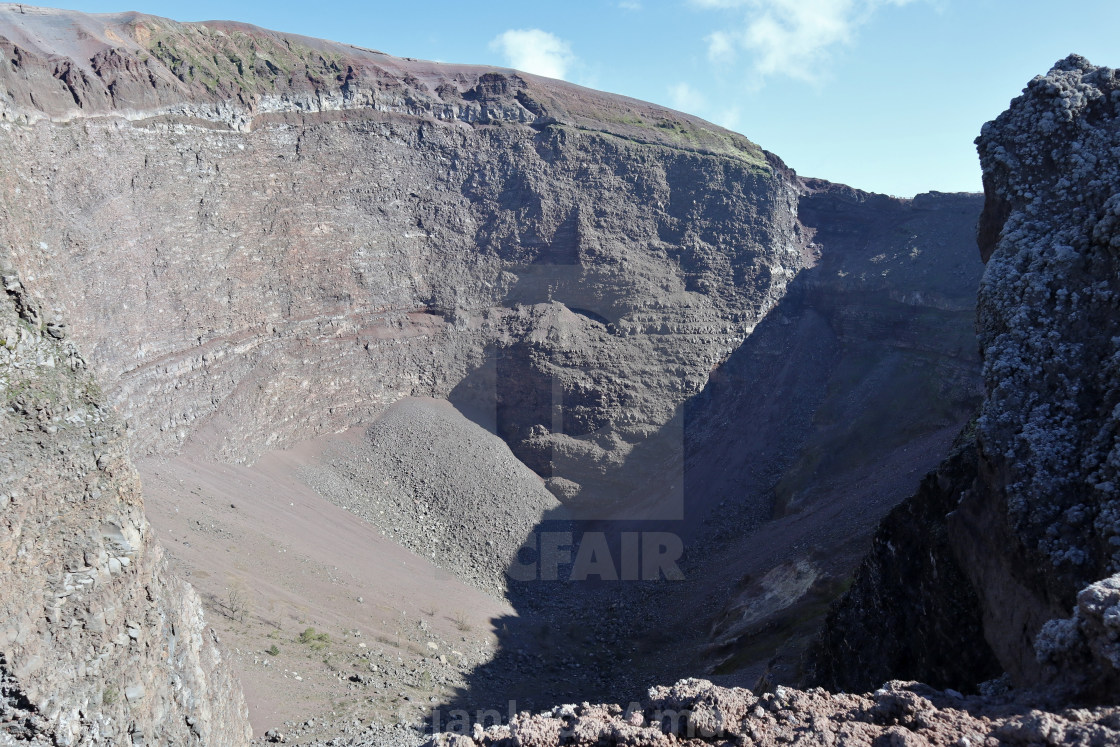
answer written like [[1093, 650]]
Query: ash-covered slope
[[99, 642], [1033, 525]]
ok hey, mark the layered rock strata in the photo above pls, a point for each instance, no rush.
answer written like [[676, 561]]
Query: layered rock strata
[[260, 238], [362, 227]]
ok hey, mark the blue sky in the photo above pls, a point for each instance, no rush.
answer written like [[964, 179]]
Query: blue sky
[[884, 95]]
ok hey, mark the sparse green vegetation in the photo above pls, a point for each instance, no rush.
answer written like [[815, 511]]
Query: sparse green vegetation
[[273, 650], [317, 641], [685, 134], [93, 392], [227, 62], [109, 695], [711, 144]]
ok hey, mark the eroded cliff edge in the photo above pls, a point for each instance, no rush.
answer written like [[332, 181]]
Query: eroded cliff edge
[[260, 237], [101, 644], [409, 222]]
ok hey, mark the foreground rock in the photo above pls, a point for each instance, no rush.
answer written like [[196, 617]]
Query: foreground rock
[[695, 712], [99, 642], [1048, 495]]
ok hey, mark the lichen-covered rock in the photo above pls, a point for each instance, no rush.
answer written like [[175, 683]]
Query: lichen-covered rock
[[99, 642], [1048, 322], [1049, 428], [1081, 654]]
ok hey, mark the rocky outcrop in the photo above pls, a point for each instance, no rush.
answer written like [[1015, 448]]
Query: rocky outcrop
[[1048, 326], [695, 712], [1033, 526], [99, 642]]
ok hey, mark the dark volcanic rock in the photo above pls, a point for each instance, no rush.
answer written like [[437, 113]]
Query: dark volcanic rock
[[1049, 428], [927, 622], [695, 712]]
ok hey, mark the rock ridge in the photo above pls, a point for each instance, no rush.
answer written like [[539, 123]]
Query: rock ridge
[[63, 65]]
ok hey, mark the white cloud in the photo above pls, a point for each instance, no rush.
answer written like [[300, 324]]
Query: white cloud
[[721, 47], [730, 118], [686, 98], [789, 37], [630, 5], [535, 51]]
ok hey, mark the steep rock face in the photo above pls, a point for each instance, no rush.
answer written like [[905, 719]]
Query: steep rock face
[[1034, 525], [808, 434], [1050, 331], [248, 281], [883, 318], [99, 642]]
